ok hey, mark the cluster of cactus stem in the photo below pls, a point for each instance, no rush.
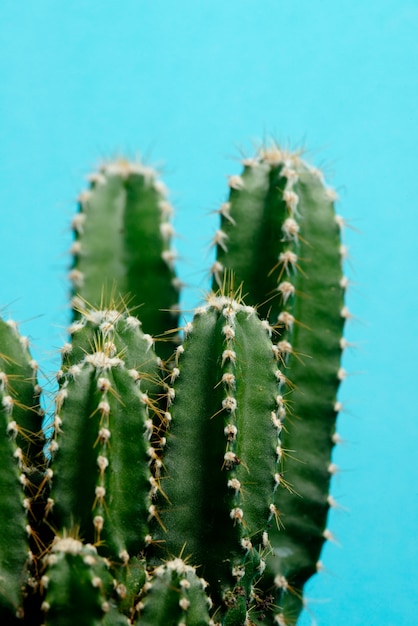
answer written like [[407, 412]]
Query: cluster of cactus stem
[[183, 478]]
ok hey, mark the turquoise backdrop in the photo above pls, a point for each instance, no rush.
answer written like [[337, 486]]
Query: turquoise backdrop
[[192, 85]]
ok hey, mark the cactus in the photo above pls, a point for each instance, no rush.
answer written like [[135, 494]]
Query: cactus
[[74, 570], [281, 215], [21, 446], [184, 483], [126, 205]]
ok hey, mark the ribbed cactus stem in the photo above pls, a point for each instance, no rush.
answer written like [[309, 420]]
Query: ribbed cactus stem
[[314, 365], [106, 414], [22, 462], [223, 446], [21, 396], [122, 246], [174, 595], [280, 234], [77, 584]]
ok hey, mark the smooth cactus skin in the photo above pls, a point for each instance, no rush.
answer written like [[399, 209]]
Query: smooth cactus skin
[[123, 248], [171, 465]]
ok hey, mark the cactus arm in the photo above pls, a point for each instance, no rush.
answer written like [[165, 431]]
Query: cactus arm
[[77, 584], [175, 596], [250, 237], [314, 366], [14, 545], [122, 246], [104, 413], [222, 448], [20, 379], [22, 460]]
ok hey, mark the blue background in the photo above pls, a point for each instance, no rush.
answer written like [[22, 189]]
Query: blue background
[[190, 85]]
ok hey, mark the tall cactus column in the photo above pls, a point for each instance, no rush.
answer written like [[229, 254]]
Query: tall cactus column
[[22, 463], [281, 237], [223, 448]]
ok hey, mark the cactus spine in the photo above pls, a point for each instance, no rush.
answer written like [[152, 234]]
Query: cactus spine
[[189, 484]]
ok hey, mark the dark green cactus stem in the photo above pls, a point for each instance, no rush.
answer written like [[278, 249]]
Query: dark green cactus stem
[[21, 396], [250, 238], [129, 580], [174, 596], [280, 234], [123, 248], [22, 462], [314, 366], [104, 414], [223, 448]]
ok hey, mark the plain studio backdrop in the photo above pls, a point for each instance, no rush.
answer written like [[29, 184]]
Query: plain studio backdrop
[[192, 86]]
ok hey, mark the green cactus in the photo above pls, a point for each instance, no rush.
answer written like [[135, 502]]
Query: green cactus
[[21, 475], [219, 496], [74, 570], [174, 595], [126, 205], [183, 483], [281, 215], [106, 402]]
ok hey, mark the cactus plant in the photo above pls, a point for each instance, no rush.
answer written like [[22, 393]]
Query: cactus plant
[[185, 481]]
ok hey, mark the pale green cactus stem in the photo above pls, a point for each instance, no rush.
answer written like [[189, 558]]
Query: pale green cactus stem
[[22, 461], [122, 247], [106, 411], [223, 447], [280, 235]]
